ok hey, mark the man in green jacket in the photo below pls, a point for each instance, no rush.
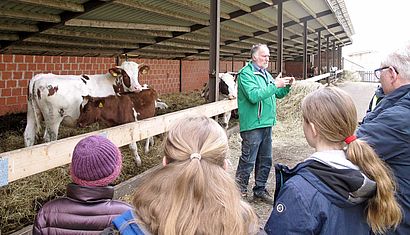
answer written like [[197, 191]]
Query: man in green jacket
[[257, 93]]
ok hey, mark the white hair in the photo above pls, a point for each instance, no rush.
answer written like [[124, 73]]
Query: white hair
[[400, 60]]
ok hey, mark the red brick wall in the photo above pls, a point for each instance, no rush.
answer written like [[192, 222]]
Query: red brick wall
[[164, 75], [17, 70], [194, 74], [294, 69]]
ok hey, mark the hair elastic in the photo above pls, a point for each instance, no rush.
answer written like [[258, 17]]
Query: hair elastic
[[195, 155], [350, 139]]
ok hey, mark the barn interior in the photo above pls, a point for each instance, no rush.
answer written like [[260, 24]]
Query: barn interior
[[186, 42]]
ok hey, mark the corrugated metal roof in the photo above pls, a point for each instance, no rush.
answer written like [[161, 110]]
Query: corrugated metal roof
[[175, 29]]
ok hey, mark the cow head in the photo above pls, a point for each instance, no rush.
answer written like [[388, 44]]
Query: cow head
[[90, 110], [227, 85], [126, 76]]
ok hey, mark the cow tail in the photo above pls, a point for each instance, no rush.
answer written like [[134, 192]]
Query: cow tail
[[33, 102]]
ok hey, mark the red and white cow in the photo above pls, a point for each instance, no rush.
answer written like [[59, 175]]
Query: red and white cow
[[227, 90], [116, 110], [56, 99]]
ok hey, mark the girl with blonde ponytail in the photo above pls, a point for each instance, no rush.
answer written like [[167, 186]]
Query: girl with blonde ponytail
[[344, 187], [192, 193]]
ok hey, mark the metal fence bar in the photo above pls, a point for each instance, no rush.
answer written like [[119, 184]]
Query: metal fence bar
[[368, 76]]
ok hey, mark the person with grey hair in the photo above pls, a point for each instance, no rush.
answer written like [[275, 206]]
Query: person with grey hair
[[257, 94], [387, 127]]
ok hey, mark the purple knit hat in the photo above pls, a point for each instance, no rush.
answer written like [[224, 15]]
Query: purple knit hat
[[96, 162]]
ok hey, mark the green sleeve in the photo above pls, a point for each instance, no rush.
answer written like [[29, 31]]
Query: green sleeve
[[282, 92], [253, 92]]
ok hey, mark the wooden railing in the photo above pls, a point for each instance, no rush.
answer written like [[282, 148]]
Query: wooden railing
[[28, 161], [328, 76]]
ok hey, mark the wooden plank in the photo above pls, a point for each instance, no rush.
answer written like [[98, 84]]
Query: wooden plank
[[98, 36], [125, 25], [24, 15], [67, 6], [35, 159], [318, 78], [18, 27]]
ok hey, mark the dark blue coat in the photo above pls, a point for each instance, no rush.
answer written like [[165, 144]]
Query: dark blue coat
[[387, 130], [304, 204]]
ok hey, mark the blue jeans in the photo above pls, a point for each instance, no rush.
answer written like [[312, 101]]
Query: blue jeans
[[256, 151]]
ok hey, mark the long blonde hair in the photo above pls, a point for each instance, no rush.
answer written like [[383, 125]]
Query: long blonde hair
[[194, 196], [333, 113]]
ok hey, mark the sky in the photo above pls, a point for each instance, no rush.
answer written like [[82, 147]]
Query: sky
[[379, 25]]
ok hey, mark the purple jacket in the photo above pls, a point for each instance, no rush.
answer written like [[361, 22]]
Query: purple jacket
[[85, 210]]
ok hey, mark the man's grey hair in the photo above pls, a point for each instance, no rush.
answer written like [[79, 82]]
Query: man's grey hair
[[400, 60], [255, 48]]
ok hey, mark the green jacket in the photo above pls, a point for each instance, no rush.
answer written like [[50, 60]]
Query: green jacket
[[257, 98]]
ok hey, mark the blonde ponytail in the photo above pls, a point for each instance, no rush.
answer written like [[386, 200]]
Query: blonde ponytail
[[383, 211]]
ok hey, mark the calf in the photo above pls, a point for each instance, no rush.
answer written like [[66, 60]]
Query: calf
[[227, 90], [56, 98], [116, 110]]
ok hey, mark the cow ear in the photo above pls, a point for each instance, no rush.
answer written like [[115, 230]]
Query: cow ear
[[126, 79], [143, 69], [114, 71]]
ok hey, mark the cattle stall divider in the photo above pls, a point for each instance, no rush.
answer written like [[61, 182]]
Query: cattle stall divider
[[328, 76], [31, 160]]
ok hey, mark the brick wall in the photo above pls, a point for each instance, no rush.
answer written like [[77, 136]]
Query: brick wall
[[294, 69], [164, 76]]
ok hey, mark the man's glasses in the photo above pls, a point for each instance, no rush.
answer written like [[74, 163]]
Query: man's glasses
[[377, 72]]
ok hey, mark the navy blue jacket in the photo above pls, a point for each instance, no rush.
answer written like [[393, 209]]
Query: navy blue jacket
[[387, 130], [309, 201]]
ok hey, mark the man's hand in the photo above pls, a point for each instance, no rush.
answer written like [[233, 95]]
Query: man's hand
[[282, 82], [289, 80]]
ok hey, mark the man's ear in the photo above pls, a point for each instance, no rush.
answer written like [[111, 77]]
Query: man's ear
[[393, 74]]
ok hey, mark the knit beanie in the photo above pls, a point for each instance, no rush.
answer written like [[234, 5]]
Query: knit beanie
[[96, 162]]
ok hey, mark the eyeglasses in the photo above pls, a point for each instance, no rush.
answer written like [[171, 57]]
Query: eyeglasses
[[377, 72]]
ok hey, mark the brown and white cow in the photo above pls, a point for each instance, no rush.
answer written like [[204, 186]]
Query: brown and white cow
[[56, 98], [116, 110], [227, 90]]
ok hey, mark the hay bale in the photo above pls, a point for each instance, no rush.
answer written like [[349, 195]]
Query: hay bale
[[289, 108]]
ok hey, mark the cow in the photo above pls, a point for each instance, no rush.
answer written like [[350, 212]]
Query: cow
[[56, 99], [116, 110], [227, 90]]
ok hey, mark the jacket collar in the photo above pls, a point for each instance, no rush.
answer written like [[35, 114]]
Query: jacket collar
[[333, 158], [89, 194]]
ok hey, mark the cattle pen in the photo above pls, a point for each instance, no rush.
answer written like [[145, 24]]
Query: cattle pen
[[24, 162]]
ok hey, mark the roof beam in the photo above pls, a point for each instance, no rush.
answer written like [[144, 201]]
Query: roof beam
[[195, 6], [18, 27], [312, 13], [60, 5], [199, 26], [239, 5], [124, 25], [65, 42], [98, 36], [63, 17], [47, 48], [23, 15], [162, 11]]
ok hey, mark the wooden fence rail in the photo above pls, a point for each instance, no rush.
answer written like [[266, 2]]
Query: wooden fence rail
[[28, 161]]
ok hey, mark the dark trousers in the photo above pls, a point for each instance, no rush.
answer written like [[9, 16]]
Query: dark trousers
[[256, 152]]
